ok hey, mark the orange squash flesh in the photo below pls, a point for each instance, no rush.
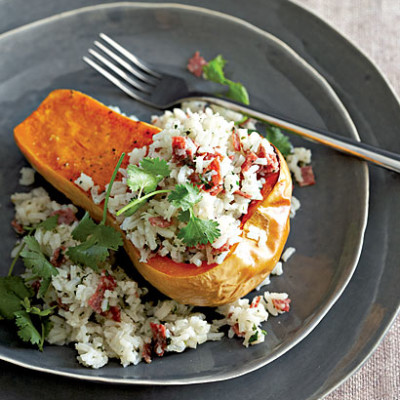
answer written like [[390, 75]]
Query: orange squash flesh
[[72, 133]]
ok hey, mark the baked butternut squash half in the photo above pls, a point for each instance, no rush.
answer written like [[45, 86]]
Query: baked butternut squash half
[[71, 133]]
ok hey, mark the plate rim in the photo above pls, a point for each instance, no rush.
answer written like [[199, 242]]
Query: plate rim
[[343, 112]]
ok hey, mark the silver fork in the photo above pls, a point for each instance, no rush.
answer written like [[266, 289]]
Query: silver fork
[[143, 83]]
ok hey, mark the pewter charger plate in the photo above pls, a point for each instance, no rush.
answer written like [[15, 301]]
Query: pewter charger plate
[[328, 230]]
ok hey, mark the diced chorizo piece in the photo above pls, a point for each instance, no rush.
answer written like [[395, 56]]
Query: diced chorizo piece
[[114, 313], [216, 167], [196, 63], [249, 161], [58, 257], [107, 282], [159, 337], [235, 140], [62, 305], [160, 222], [307, 174], [65, 216], [282, 304], [236, 330], [146, 353], [180, 149], [18, 228], [255, 302], [243, 194], [224, 247], [216, 190], [271, 167]]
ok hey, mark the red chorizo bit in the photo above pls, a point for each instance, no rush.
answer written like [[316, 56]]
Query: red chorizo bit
[[107, 282], [216, 190], [159, 337], [180, 151], [58, 257], [114, 313], [236, 330], [235, 140], [216, 167], [307, 174], [271, 167], [255, 302], [243, 194], [62, 305], [65, 216], [199, 246], [282, 304], [18, 228], [224, 247], [249, 161], [36, 286], [160, 222], [96, 300], [211, 156], [195, 178], [146, 353], [195, 64], [261, 152]]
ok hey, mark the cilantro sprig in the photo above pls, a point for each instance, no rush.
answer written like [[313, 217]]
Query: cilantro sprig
[[13, 290], [214, 71], [35, 260], [48, 224], [197, 231], [96, 239], [32, 322], [145, 179], [279, 140]]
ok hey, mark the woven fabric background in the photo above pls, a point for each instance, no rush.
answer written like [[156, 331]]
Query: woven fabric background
[[374, 26]]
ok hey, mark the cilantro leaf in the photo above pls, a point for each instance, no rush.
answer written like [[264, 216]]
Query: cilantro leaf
[[103, 234], [12, 291], [88, 253], [184, 216], [156, 167], [26, 303], [27, 331], [237, 92], [145, 179], [96, 241], [34, 258], [108, 237], [199, 231], [278, 139], [44, 286], [49, 223], [253, 337], [85, 228], [214, 71], [185, 196], [140, 180]]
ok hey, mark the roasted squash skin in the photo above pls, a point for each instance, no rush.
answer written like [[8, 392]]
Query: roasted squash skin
[[72, 133]]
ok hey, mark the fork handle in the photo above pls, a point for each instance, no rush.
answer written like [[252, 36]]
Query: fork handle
[[381, 157]]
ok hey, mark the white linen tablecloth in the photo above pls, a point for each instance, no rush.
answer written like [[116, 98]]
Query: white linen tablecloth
[[373, 26]]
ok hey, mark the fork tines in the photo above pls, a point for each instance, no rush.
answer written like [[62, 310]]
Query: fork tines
[[115, 62]]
